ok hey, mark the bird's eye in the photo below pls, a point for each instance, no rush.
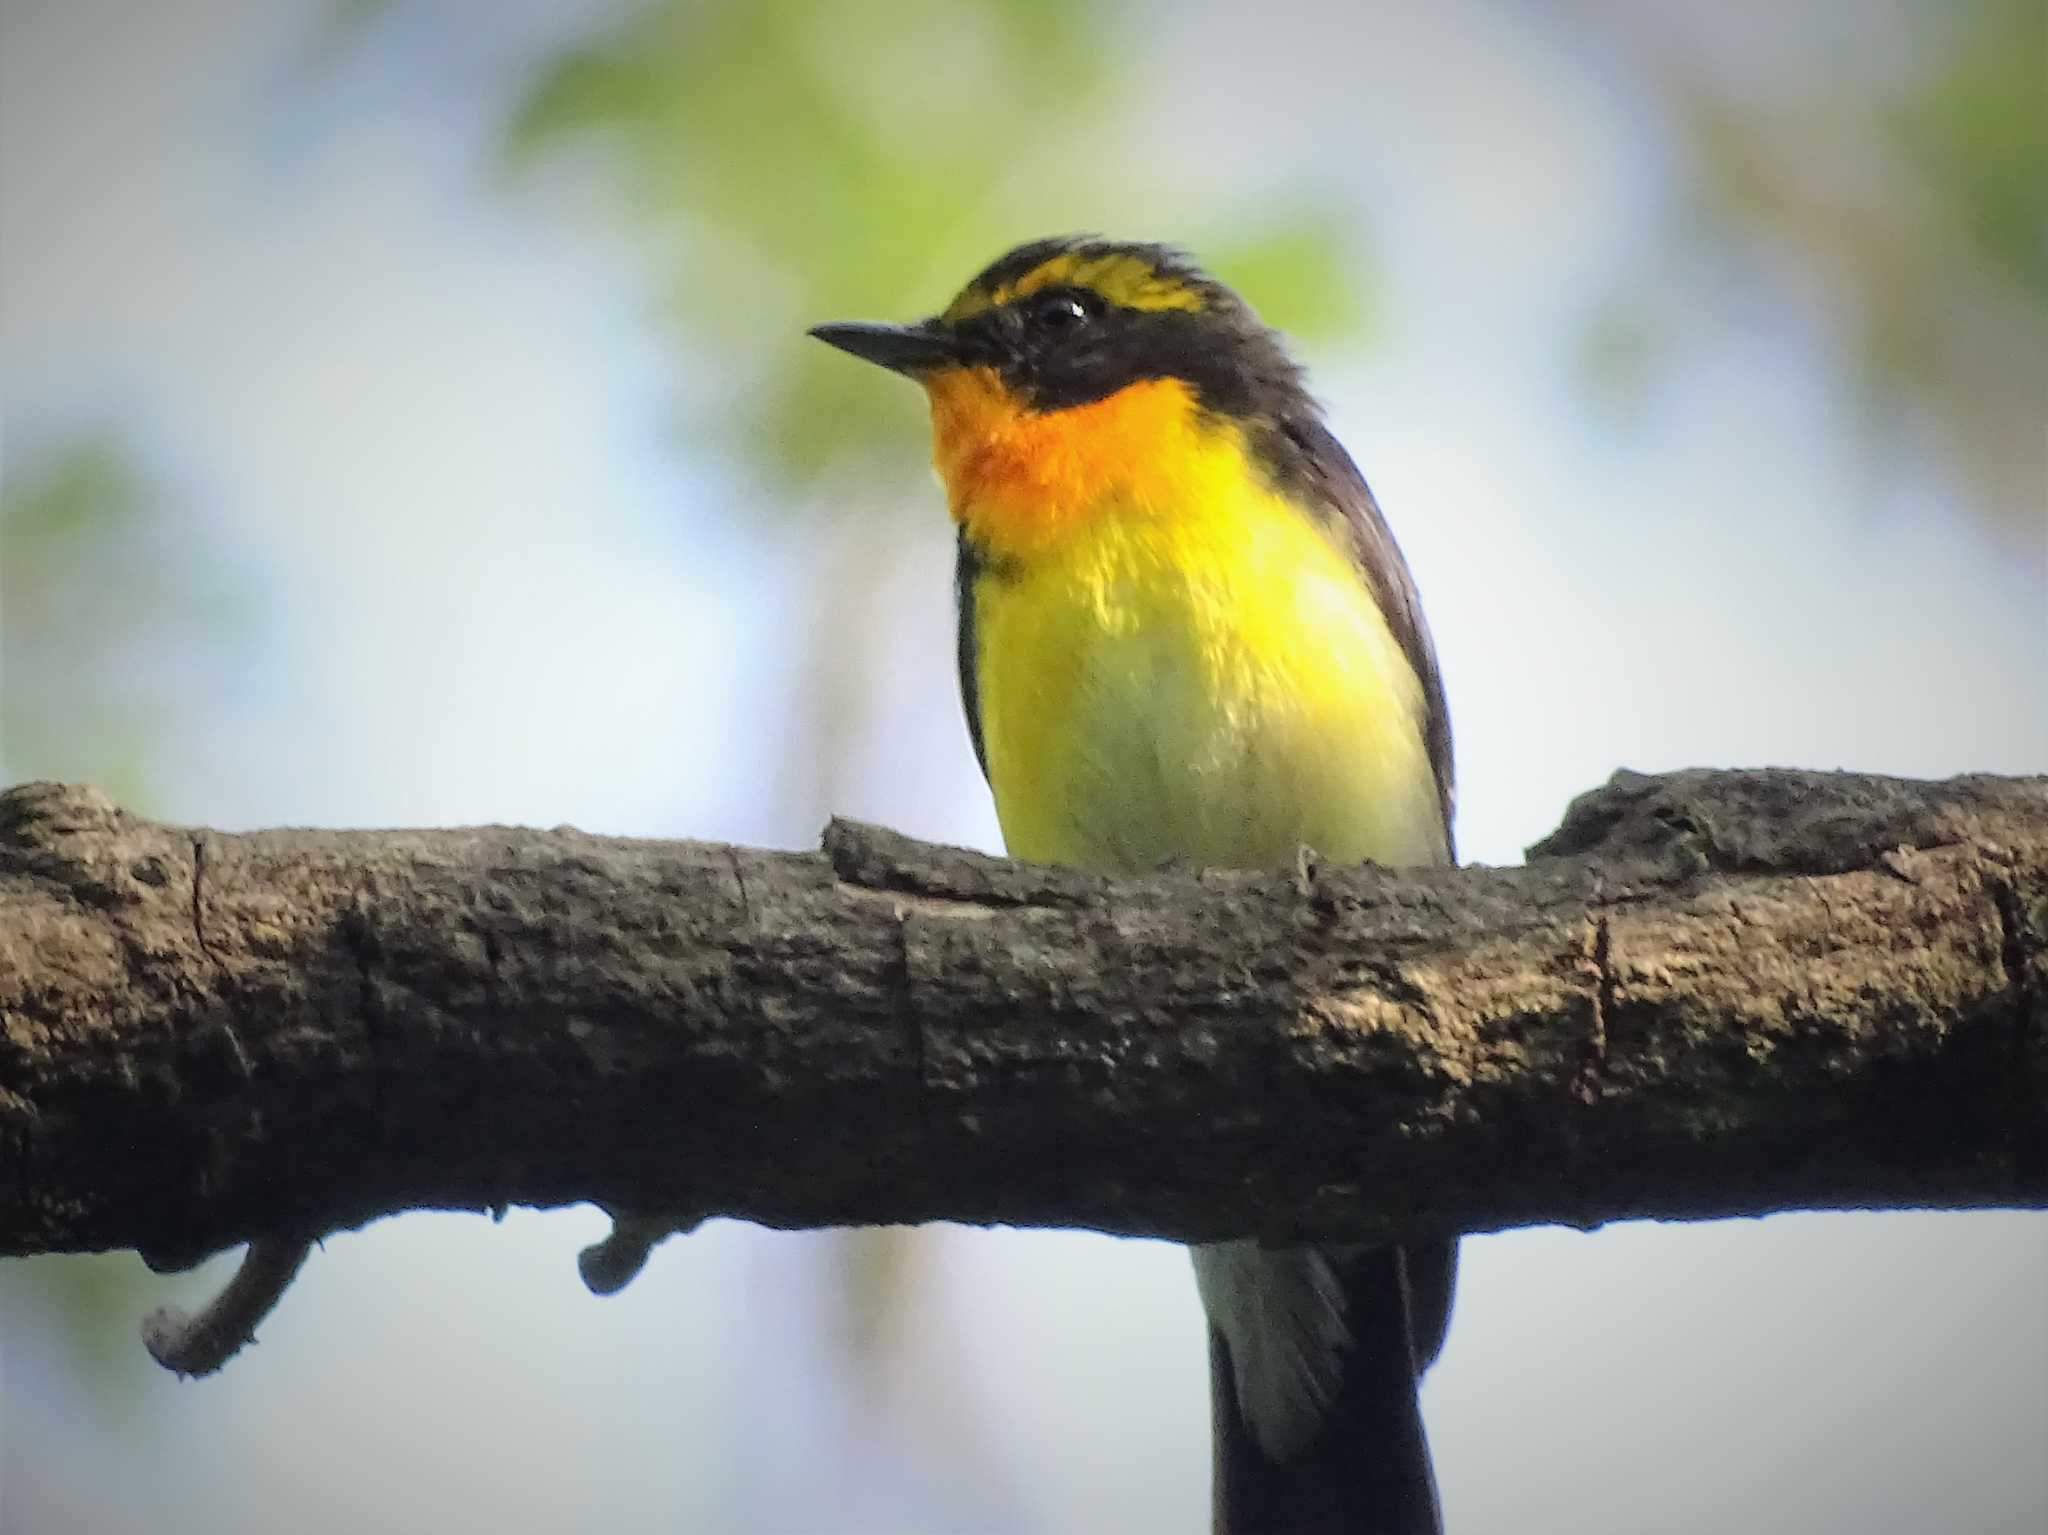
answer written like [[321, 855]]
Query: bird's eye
[[1059, 312]]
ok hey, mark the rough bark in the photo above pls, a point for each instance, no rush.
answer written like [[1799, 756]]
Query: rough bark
[[1706, 994]]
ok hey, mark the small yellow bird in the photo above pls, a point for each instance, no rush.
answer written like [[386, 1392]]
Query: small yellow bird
[[1186, 633]]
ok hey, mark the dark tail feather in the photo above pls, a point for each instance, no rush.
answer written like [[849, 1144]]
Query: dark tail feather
[[1367, 1471]]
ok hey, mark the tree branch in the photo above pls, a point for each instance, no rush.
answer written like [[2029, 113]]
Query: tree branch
[[1707, 994], [198, 1343]]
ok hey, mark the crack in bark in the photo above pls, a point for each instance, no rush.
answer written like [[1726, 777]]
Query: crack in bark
[[244, 1066], [1604, 992], [911, 1024], [2012, 950], [1598, 951], [199, 902], [739, 878], [359, 937]]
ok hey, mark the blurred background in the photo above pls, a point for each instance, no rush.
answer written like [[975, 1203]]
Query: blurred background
[[408, 420]]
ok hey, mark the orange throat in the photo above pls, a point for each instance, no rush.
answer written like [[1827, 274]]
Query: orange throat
[[1019, 480]]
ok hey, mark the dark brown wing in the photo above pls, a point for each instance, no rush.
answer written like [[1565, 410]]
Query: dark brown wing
[[967, 565], [1310, 464]]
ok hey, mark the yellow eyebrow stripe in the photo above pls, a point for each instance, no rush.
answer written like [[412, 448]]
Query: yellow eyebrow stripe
[[1123, 279]]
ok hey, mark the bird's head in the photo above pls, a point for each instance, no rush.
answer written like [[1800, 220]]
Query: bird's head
[[1074, 371]]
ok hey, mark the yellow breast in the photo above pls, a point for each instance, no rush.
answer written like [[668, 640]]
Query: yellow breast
[[1192, 669]]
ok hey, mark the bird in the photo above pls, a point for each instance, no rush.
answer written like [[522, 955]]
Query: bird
[[1187, 637]]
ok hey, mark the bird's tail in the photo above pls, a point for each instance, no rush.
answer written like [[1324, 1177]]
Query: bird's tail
[[1315, 1356]]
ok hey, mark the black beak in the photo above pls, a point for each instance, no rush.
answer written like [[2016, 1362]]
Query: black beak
[[901, 348]]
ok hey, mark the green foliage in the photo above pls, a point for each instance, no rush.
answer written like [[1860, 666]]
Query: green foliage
[[792, 161], [1900, 196], [1978, 131], [86, 491], [95, 1301], [1302, 274], [96, 582], [53, 523]]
